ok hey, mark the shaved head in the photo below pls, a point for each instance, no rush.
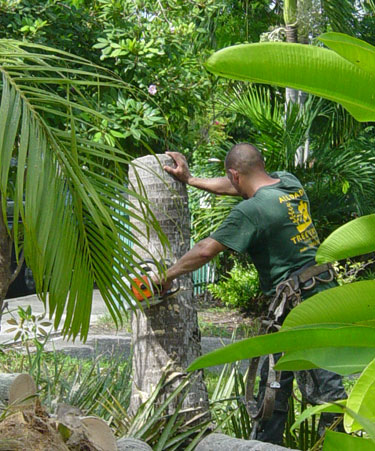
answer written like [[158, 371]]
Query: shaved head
[[244, 158]]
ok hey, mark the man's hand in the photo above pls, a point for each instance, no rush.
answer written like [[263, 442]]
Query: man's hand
[[181, 171], [161, 285], [216, 185]]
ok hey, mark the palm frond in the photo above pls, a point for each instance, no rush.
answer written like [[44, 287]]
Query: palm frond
[[68, 190], [277, 133], [340, 15], [339, 183]]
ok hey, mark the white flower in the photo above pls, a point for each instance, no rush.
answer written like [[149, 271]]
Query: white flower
[[152, 90]]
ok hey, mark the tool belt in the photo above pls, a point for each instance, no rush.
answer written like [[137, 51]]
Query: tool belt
[[289, 293]]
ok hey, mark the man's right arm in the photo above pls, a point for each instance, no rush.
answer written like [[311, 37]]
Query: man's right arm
[[216, 185]]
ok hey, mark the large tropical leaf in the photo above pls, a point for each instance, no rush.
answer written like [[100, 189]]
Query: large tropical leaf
[[362, 399], [343, 360], [353, 238], [354, 50], [323, 335], [68, 190], [311, 69], [347, 304], [336, 441]]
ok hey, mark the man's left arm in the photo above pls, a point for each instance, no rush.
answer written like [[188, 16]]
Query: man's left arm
[[203, 252]]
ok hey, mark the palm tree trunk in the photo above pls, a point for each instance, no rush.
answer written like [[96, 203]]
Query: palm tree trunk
[[167, 333], [292, 95], [290, 19]]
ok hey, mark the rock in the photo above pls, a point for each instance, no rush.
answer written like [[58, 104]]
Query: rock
[[222, 442]]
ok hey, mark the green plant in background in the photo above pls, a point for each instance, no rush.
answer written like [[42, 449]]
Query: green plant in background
[[31, 330], [154, 423], [82, 383], [227, 402], [28, 326], [238, 289]]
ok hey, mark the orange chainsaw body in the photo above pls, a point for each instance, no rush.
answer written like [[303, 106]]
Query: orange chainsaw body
[[143, 289]]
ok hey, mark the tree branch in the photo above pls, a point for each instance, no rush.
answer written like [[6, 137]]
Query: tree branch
[[18, 269]]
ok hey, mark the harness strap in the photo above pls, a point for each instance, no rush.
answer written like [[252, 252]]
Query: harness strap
[[265, 410], [314, 271]]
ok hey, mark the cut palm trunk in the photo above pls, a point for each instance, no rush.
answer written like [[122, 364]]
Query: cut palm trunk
[[165, 335], [17, 390], [132, 444], [99, 433]]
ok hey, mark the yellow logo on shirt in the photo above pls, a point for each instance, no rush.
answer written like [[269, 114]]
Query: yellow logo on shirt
[[300, 216], [291, 196]]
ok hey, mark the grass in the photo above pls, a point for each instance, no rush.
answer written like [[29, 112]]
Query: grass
[[106, 322]]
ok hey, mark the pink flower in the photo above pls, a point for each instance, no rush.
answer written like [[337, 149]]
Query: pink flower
[[152, 90]]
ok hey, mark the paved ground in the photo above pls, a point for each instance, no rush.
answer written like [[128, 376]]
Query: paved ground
[[96, 343], [37, 307]]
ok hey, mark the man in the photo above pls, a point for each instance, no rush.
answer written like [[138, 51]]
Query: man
[[273, 226]]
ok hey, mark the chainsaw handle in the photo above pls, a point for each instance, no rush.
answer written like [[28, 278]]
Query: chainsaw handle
[[173, 291]]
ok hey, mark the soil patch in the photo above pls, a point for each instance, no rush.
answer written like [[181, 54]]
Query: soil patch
[[214, 320], [30, 429], [228, 321]]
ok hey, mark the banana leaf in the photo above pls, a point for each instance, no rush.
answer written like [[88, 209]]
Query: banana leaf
[[311, 69]]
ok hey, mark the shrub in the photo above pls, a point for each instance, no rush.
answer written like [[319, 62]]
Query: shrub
[[240, 288]]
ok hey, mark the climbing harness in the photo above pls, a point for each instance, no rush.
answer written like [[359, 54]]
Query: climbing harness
[[288, 294], [145, 293]]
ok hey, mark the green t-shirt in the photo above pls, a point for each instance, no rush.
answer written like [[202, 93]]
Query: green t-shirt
[[274, 228]]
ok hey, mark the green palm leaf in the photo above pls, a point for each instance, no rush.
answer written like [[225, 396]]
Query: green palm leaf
[[68, 190]]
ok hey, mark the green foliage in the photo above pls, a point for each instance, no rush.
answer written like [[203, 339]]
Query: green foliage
[[277, 134], [239, 289], [345, 442], [160, 49], [306, 435], [28, 326], [226, 402], [361, 399]]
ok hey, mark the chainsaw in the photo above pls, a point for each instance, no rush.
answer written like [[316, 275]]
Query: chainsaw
[[144, 289]]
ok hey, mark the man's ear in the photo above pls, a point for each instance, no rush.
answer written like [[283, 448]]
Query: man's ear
[[234, 174]]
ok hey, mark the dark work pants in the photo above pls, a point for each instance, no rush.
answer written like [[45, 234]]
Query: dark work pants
[[317, 386]]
